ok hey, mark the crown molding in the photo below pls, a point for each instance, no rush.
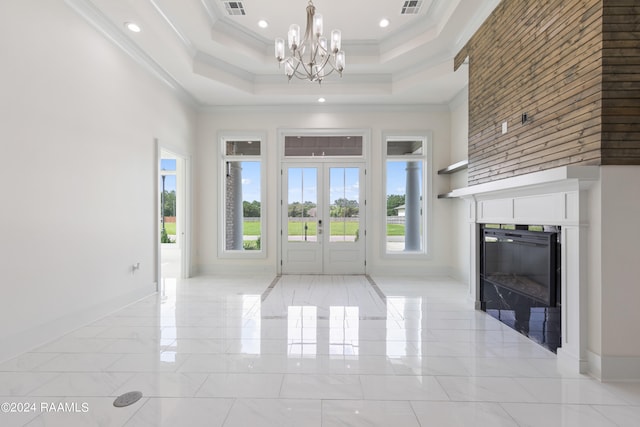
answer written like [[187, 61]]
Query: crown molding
[[187, 43], [87, 10], [331, 108], [475, 24], [223, 66]]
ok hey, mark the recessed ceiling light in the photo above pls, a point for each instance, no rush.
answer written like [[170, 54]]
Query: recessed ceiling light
[[321, 100], [263, 24], [133, 27], [384, 23]]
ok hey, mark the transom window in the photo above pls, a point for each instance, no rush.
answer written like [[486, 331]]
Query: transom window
[[323, 146]]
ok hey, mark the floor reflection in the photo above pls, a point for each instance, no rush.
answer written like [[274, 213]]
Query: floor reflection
[[344, 328], [302, 330], [404, 326], [297, 317], [410, 351]]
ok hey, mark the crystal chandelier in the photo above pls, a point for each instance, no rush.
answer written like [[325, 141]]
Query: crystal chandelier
[[310, 58]]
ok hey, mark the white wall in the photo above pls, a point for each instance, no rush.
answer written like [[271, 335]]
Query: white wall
[[594, 273], [268, 121], [620, 262], [459, 150], [78, 119]]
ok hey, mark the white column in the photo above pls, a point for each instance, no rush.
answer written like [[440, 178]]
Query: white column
[[412, 205]]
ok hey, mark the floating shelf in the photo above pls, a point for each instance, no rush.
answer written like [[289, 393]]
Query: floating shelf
[[462, 164], [456, 167], [446, 196]]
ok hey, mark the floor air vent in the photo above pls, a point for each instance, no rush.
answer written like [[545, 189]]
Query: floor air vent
[[127, 399]]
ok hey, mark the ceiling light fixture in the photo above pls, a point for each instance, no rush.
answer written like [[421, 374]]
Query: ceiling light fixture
[[133, 27], [320, 60], [263, 24], [321, 100], [384, 23]]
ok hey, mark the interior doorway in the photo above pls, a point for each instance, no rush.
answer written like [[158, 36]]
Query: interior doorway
[[173, 214]]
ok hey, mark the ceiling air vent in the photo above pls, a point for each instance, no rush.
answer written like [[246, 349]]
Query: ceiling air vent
[[411, 7], [234, 8]]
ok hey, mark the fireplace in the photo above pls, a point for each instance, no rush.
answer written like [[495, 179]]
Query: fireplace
[[520, 280]]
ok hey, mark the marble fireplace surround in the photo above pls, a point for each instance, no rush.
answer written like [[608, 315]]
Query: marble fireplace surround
[[552, 197]]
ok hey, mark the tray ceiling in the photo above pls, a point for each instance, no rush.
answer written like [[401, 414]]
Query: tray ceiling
[[215, 58]]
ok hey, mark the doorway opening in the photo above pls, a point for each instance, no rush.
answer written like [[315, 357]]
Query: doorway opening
[[173, 225], [323, 204]]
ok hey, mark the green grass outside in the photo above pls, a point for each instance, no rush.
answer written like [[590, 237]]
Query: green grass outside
[[349, 228], [170, 228], [395, 229], [340, 229], [252, 228]]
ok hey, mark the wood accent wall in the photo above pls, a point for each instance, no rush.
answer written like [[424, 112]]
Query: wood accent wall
[[567, 64], [621, 83]]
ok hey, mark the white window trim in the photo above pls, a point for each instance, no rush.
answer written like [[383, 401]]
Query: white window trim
[[427, 200], [223, 137]]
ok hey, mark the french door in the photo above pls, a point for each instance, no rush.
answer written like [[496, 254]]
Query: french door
[[323, 218]]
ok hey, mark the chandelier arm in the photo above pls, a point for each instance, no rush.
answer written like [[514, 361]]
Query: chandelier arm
[[303, 64], [323, 66]]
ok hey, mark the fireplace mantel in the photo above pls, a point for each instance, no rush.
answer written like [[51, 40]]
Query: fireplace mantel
[[556, 197], [547, 178]]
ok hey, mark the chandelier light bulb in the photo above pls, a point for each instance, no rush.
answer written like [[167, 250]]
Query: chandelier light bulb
[[294, 36], [336, 40], [340, 61], [317, 25], [322, 41], [279, 49]]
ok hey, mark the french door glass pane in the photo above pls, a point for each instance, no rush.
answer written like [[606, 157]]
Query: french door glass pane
[[302, 206], [344, 204]]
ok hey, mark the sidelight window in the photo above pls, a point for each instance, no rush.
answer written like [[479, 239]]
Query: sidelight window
[[406, 166], [242, 178]]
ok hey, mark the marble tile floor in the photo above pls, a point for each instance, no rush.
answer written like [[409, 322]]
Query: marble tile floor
[[304, 351]]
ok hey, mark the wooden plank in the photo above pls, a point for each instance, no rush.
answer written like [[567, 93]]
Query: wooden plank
[[573, 66]]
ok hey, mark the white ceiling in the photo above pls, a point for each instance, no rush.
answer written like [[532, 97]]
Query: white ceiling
[[215, 59]]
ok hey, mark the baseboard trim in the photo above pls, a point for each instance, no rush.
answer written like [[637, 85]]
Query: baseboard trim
[[25, 341], [594, 365], [572, 363], [233, 269], [620, 368]]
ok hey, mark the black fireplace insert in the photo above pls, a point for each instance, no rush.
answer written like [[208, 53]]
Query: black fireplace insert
[[520, 280]]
